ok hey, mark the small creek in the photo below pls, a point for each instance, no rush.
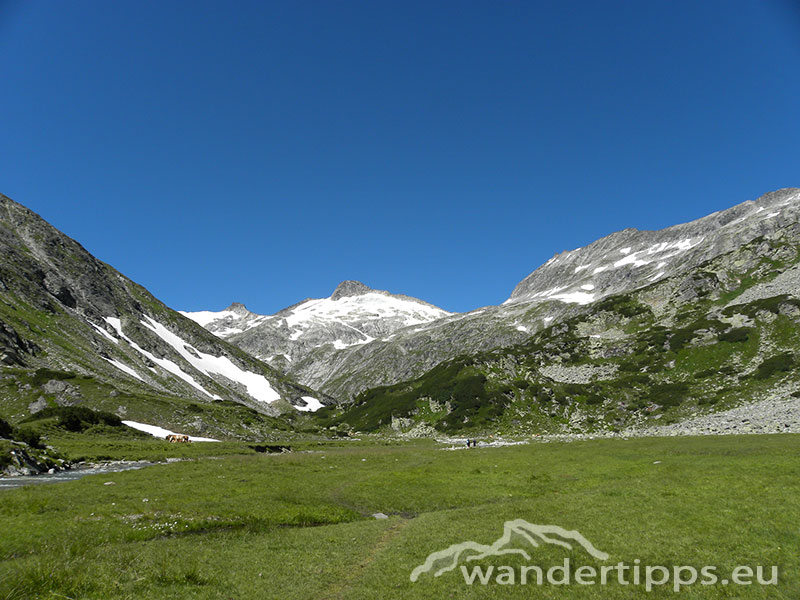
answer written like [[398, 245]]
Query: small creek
[[69, 474]]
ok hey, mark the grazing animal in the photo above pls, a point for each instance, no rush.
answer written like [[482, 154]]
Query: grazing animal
[[174, 438]]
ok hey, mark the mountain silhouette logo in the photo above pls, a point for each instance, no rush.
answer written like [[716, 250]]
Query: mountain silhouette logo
[[528, 533]]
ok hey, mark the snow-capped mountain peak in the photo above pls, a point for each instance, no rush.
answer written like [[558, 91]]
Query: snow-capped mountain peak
[[353, 314], [225, 323]]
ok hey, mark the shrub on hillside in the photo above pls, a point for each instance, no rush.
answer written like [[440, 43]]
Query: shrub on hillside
[[30, 437], [6, 430], [772, 304], [737, 334], [77, 418], [622, 305], [42, 376], [9, 432], [777, 364], [683, 336], [669, 394]]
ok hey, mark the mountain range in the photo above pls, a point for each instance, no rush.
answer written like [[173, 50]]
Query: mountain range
[[333, 346], [353, 315], [716, 333], [635, 304]]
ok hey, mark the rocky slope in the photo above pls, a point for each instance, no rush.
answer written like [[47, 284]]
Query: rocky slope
[[73, 330], [632, 259], [560, 289], [722, 337]]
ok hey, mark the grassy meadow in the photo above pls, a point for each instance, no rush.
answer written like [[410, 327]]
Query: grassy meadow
[[299, 525]]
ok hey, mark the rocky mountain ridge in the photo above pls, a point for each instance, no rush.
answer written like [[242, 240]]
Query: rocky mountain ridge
[[631, 259], [560, 289], [74, 330], [713, 349]]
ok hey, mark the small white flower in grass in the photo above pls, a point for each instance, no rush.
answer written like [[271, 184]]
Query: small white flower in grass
[[363, 460]]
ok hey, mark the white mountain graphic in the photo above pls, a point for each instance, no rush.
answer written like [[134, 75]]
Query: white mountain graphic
[[533, 534]]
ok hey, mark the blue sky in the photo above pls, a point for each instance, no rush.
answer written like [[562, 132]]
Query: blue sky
[[263, 151]]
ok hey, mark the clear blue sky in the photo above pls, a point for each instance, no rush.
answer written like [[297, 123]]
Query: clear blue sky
[[263, 151]]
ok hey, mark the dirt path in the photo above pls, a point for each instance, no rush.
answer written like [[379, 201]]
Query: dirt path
[[339, 590]]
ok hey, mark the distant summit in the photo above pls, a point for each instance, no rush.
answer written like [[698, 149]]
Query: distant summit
[[350, 288], [306, 336], [239, 309]]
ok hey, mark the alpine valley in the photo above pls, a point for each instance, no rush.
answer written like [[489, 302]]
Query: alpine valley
[[693, 328]]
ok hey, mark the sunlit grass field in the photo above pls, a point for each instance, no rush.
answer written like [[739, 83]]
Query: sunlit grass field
[[299, 525]]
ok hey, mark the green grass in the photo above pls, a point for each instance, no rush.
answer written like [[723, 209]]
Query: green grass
[[298, 525], [95, 446]]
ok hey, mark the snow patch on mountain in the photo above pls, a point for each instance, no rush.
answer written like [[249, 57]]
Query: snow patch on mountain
[[162, 433], [575, 289], [225, 323], [353, 306], [204, 317], [104, 333], [164, 363], [647, 256], [312, 404], [125, 368], [574, 297], [353, 315], [257, 385]]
